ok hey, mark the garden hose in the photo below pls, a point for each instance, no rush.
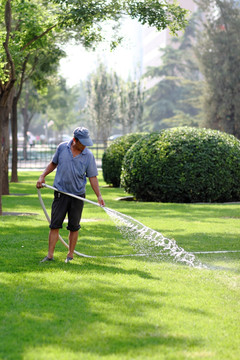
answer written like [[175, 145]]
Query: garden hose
[[96, 204]]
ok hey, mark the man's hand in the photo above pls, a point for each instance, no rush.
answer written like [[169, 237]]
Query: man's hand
[[40, 181], [51, 166], [101, 201]]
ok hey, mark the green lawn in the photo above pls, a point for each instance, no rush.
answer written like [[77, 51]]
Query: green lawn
[[118, 308]]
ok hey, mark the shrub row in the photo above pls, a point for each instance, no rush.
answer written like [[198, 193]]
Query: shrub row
[[183, 165]]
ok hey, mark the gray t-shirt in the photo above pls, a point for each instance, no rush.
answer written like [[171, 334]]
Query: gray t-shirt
[[72, 171]]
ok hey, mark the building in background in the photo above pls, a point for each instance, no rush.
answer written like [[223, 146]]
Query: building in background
[[153, 40]]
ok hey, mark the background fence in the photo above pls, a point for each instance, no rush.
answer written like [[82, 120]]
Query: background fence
[[38, 156]]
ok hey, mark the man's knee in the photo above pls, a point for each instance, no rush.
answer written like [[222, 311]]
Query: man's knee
[[73, 228]]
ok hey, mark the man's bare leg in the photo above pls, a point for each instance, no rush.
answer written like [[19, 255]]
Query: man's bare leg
[[52, 240], [73, 237]]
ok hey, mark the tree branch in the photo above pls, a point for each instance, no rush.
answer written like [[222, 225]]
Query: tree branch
[[22, 78], [37, 37], [8, 21], [10, 62], [32, 69], [1, 86]]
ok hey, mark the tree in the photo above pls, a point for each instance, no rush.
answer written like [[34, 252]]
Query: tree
[[129, 98], [86, 15], [20, 62], [219, 57], [101, 102], [175, 100], [113, 102]]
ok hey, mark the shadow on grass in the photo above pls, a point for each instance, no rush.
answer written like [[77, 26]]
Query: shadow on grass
[[95, 318]]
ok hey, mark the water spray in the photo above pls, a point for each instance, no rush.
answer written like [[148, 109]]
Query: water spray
[[142, 238]]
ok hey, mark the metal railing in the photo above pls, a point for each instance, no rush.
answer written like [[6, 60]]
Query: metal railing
[[38, 156]]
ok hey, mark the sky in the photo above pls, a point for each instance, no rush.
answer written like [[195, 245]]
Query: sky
[[79, 62]]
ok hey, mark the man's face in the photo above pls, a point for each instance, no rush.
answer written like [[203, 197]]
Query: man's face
[[79, 145]]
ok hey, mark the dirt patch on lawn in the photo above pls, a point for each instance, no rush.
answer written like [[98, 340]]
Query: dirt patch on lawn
[[8, 213]]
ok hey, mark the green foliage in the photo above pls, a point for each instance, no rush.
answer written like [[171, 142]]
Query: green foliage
[[43, 66], [113, 157], [28, 21], [88, 15], [158, 14], [184, 165], [219, 58], [30, 24], [129, 98], [101, 102], [112, 102]]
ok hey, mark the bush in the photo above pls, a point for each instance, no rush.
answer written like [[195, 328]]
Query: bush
[[184, 165], [113, 157]]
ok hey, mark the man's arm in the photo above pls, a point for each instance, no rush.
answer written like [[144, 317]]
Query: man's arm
[[95, 186], [51, 166]]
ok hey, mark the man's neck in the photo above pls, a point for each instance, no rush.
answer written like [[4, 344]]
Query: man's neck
[[75, 150]]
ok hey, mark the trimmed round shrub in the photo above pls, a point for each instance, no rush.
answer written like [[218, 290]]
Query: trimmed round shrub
[[184, 165], [113, 157]]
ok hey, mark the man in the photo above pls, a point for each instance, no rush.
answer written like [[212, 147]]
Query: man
[[73, 162]]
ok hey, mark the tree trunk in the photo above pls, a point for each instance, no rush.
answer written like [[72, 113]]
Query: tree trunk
[[25, 130], [26, 123], [14, 177], [5, 152], [1, 141], [6, 143]]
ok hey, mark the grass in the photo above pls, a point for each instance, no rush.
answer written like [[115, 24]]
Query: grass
[[118, 308]]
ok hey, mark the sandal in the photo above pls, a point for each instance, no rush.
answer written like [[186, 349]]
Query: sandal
[[46, 259]]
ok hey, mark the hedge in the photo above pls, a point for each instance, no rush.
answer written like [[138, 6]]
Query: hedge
[[113, 157], [184, 165]]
